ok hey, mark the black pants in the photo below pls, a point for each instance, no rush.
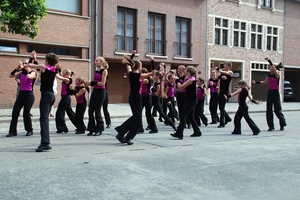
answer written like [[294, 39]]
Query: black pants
[[25, 99], [64, 106], [146, 102], [188, 111], [132, 125], [199, 113], [213, 107], [158, 107], [46, 102], [240, 113], [171, 108], [95, 123], [224, 117], [105, 109], [181, 102], [273, 99], [79, 115]]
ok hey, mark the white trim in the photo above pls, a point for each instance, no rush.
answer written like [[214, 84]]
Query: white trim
[[291, 67], [67, 14], [42, 57], [181, 58], [155, 56], [123, 53]]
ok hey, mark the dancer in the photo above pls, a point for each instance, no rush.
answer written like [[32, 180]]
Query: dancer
[[25, 98], [170, 95], [79, 92], [64, 105], [212, 84], [224, 82], [242, 111], [146, 102], [95, 123], [190, 87], [48, 72], [132, 125], [273, 98], [105, 109], [199, 109]]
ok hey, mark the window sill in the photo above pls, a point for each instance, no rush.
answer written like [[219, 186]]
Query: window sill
[[156, 56], [126, 53], [182, 58]]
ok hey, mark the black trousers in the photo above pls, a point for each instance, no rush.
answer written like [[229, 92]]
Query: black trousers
[[213, 107], [171, 108], [105, 109], [273, 99], [46, 102], [79, 116], [181, 102], [199, 113], [240, 113], [188, 111], [95, 123], [224, 117], [132, 125], [146, 102], [24, 99], [158, 107], [64, 106]]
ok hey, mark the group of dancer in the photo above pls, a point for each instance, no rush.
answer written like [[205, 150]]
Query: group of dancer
[[147, 89]]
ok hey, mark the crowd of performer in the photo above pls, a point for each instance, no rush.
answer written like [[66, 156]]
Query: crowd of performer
[[177, 95]]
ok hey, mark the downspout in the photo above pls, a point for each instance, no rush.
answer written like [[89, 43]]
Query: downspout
[[90, 43], [283, 43], [207, 66], [96, 28]]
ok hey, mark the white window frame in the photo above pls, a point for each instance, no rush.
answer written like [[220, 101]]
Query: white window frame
[[257, 33], [272, 35], [222, 28], [239, 31]]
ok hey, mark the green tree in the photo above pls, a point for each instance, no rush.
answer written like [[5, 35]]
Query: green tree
[[21, 16]]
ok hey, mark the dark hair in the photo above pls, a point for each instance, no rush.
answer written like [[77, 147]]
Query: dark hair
[[52, 59]]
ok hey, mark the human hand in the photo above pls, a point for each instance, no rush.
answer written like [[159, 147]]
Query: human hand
[[134, 52], [266, 58]]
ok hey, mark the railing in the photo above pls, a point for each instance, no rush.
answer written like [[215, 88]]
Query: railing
[[124, 43], [183, 49], [157, 47]]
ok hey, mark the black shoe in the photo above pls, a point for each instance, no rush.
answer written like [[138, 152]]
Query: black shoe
[[108, 125], [160, 119], [148, 128], [80, 132], [196, 135], [221, 126], [90, 134], [281, 128], [189, 126], [205, 124], [29, 133], [271, 129], [173, 126], [43, 147], [256, 133], [62, 131], [153, 131], [11, 134], [129, 142], [213, 123], [177, 136], [118, 136], [141, 130], [98, 133], [226, 121], [235, 133]]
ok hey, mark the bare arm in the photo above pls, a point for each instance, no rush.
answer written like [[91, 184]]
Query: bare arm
[[59, 77], [260, 82], [184, 85], [37, 66]]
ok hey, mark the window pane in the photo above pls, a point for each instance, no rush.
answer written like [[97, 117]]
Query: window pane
[[243, 26], [158, 35], [243, 39], [274, 43], [236, 25], [224, 37], [129, 17], [178, 25], [129, 31], [150, 33], [268, 43], [253, 27], [275, 31], [158, 22], [259, 28], [217, 22], [225, 23], [177, 37], [236, 38], [217, 36], [253, 41], [120, 29], [269, 30], [65, 5], [259, 42], [151, 21], [120, 16]]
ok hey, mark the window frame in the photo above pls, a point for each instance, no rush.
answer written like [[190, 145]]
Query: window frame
[[264, 3], [179, 45], [124, 36], [221, 29], [256, 33], [66, 11], [154, 33], [44, 49], [237, 42], [270, 46]]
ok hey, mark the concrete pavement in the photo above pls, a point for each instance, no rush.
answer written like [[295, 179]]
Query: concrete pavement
[[123, 110]]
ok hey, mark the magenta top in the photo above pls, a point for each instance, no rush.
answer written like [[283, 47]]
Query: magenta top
[[171, 91], [273, 82], [98, 78], [213, 88], [200, 93], [145, 89], [25, 83]]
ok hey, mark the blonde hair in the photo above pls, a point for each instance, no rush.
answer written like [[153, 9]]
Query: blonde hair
[[104, 63], [191, 69], [68, 71], [81, 80]]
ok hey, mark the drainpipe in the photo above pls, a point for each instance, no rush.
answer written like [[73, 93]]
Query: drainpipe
[[90, 42], [96, 28], [283, 43], [207, 66]]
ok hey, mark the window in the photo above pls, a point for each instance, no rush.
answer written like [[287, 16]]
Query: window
[[260, 66], [125, 38], [183, 44], [239, 34], [8, 47], [256, 36], [72, 6], [221, 31], [266, 3], [156, 42], [54, 49], [272, 38]]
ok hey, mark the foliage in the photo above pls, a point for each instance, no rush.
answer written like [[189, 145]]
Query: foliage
[[21, 16]]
